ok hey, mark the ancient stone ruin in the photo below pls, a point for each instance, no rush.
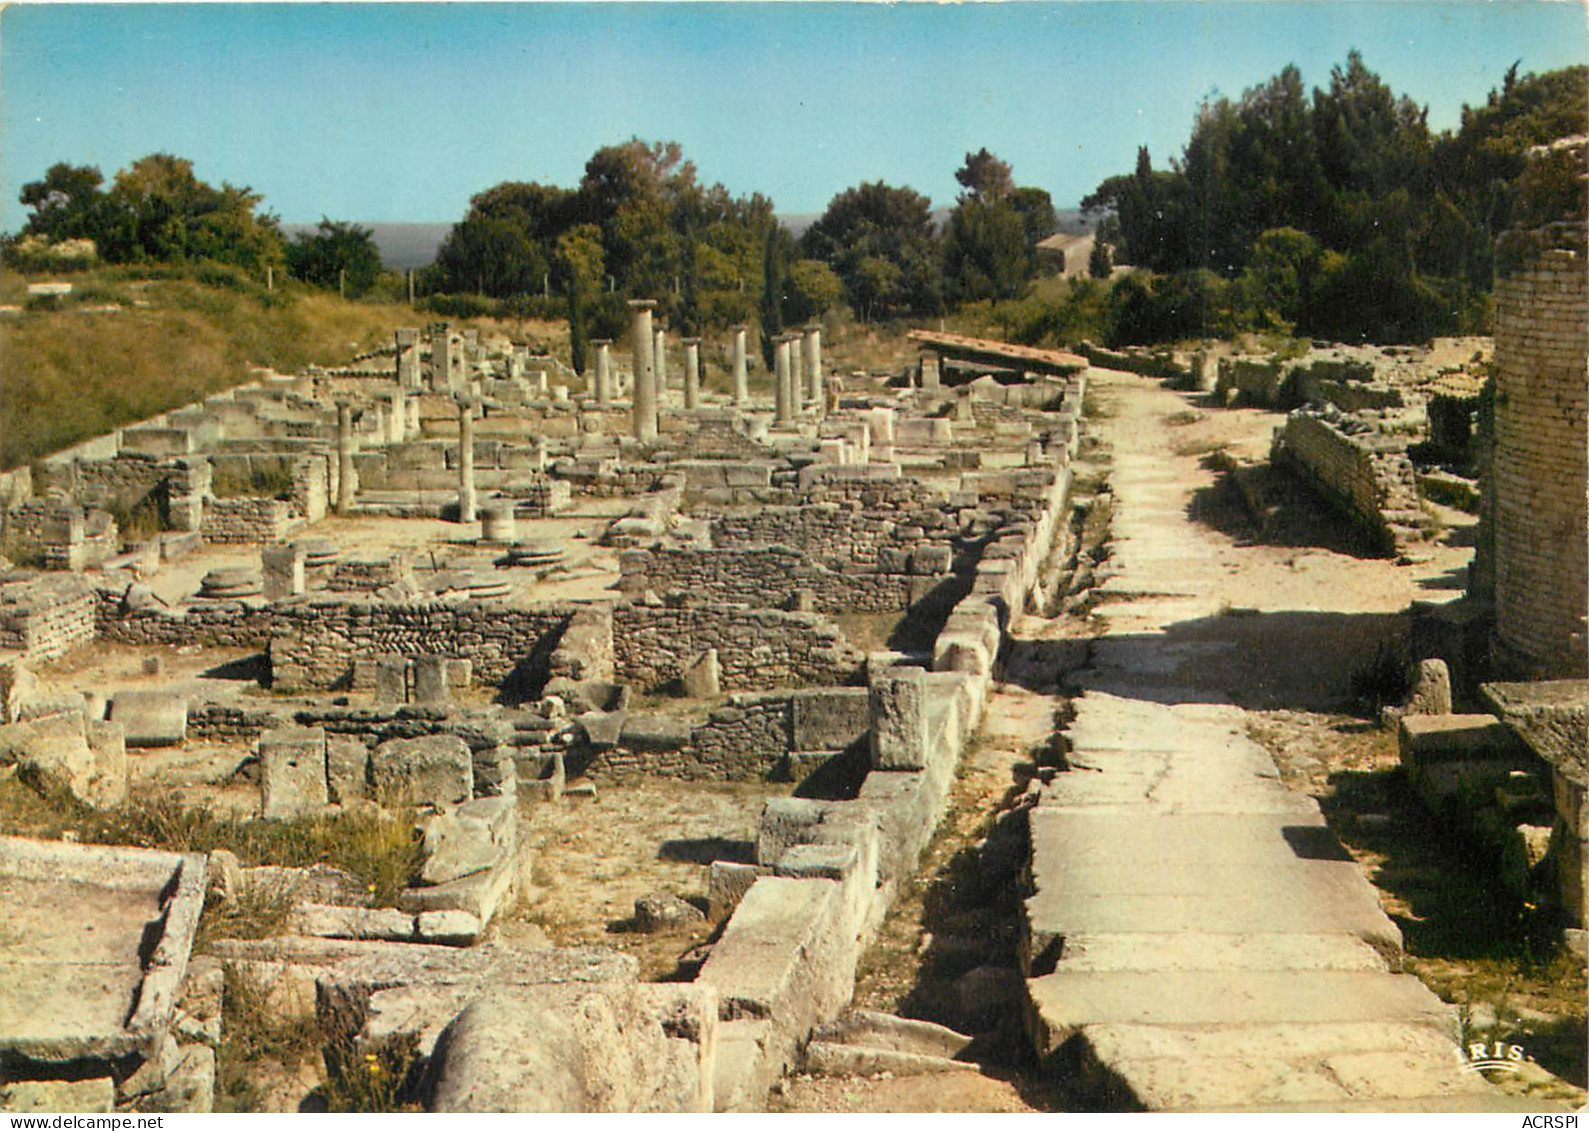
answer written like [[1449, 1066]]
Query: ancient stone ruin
[[540, 741]]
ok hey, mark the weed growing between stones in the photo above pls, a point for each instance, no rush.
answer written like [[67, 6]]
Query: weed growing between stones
[[375, 1076], [252, 1031]]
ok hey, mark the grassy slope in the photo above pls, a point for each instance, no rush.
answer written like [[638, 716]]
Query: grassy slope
[[75, 372]]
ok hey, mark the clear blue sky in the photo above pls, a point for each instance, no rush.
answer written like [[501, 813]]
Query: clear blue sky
[[397, 112]]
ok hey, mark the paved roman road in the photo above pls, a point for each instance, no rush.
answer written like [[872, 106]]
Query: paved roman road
[[1199, 939]]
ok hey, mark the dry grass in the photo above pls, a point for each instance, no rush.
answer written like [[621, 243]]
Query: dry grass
[[75, 371], [377, 847], [253, 1033]]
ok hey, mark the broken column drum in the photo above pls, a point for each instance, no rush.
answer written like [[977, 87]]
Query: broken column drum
[[498, 522], [645, 392]]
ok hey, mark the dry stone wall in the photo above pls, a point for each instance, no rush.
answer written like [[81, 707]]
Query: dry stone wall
[[1375, 484], [45, 617], [248, 520], [756, 648], [763, 577], [314, 641]]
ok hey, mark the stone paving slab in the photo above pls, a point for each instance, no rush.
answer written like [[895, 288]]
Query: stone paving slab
[[1218, 948], [1070, 1001], [1147, 950]]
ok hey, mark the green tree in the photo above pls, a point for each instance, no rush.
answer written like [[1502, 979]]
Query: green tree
[[334, 248], [1280, 277], [1036, 209], [1098, 259], [157, 209], [985, 178], [67, 204], [814, 289], [990, 247], [578, 268], [876, 223]]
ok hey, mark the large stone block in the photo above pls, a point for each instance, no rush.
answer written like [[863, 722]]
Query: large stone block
[[151, 718], [292, 779], [435, 770], [900, 736], [580, 1048], [1435, 738], [469, 839], [432, 681], [347, 769], [829, 718]]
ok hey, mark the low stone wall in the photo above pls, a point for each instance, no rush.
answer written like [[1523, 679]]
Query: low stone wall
[[1250, 380], [825, 531], [1375, 485], [222, 624], [750, 738], [314, 640], [225, 723], [756, 648], [122, 482], [826, 871], [770, 576], [46, 617], [248, 520], [1159, 363]]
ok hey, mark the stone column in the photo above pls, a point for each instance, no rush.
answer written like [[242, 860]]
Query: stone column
[[347, 444], [645, 390], [931, 377], [741, 382], [796, 374], [397, 416], [408, 358], [441, 356], [692, 374], [466, 487], [783, 402], [470, 359], [813, 355], [603, 370], [661, 365]]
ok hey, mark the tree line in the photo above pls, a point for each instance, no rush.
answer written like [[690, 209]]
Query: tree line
[[157, 210], [640, 223], [1338, 214], [1333, 213]]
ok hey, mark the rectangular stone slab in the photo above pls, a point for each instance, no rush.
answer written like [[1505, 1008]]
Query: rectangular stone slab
[[97, 944]]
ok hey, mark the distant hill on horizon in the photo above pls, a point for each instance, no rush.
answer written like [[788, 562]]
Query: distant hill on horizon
[[412, 245]]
